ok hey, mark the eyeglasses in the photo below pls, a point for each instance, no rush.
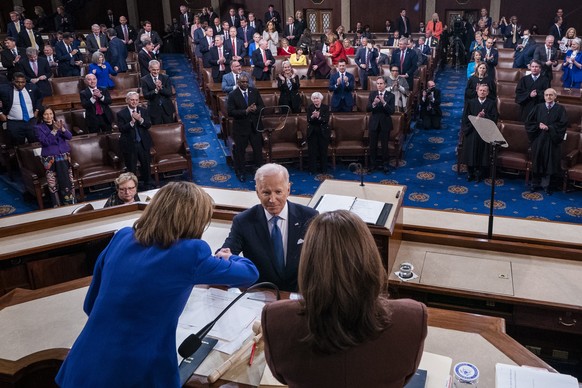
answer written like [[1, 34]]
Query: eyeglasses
[[126, 189]]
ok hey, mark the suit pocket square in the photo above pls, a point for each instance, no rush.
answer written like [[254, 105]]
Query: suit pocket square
[[300, 241]]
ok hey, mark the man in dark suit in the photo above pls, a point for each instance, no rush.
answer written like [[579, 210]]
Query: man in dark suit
[[37, 71], [490, 56], [204, 46], [216, 27], [20, 122], [530, 89], [366, 59], [342, 83], [524, 50], [110, 20], [272, 15], [245, 33], [232, 18], [512, 33], [135, 140], [30, 38], [292, 31], [430, 107], [157, 89], [263, 60], [244, 105], [15, 25], [475, 150], [257, 24], [393, 40], [424, 49], [406, 60], [116, 52], [271, 234], [404, 24], [150, 34], [431, 41], [10, 56], [556, 31], [96, 41], [186, 20], [63, 20], [126, 33], [69, 58], [547, 54], [219, 59], [381, 104], [144, 57], [235, 46], [96, 101]]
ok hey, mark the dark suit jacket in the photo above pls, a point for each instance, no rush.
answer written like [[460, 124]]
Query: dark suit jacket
[[341, 91], [243, 122], [143, 58], [43, 69], [295, 363], [259, 63], [319, 124], [240, 47], [12, 31], [322, 64], [380, 119], [24, 40], [541, 55], [523, 90], [160, 101], [90, 111], [250, 32], [131, 33], [127, 139], [204, 51], [492, 62], [557, 34], [64, 22], [214, 57], [92, 42], [401, 26], [8, 60], [297, 31], [408, 67], [258, 26], [508, 32], [155, 37], [250, 234], [7, 97], [117, 54], [435, 106], [66, 61], [231, 22], [277, 17], [290, 97], [372, 56]]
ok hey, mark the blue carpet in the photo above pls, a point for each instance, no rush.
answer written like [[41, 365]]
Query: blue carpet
[[428, 169]]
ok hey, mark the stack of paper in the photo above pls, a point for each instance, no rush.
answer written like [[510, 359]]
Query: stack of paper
[[509, 376]]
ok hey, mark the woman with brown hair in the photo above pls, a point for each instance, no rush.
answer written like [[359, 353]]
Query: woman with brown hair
[[336, 49], [272, 37], [345, 332], [140, 286]]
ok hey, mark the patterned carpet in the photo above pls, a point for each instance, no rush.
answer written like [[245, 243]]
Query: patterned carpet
[[428, 168]]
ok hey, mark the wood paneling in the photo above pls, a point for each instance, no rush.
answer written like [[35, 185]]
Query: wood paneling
[[375, 13], [334, 5], [543, 13]]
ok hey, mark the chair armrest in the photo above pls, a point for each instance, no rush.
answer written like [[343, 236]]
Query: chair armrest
[[186, 149], [153, 153], [571, 157], [332, 138]]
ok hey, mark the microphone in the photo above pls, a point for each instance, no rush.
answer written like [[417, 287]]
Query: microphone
[[191, 344], [357, 167]]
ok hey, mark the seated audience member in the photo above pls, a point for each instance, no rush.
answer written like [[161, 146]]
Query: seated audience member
[[245, 33], [285, 49], [298, 59], [164, 250], [96, 101], [572, 66], [430, 107], [144, 57], [102, 70], [70, 58], [566, 42], [318, 133], [271, 234], [342, 83], [319, 68], [288, 85], [37, 70], [125, 190], [524, 51], [157, 89], [530, 89], [348, 48], [398, 86], [116, 52], [20, 122], [340, 33], [230, 80], [325, 339]]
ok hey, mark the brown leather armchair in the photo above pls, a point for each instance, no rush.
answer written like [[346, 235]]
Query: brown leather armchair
[[170, 150], [285, 140], [349, 136], [516, 157], [125, 81], [508, 110], [94, 162], [572, 162], [66, 85], [32, 171]]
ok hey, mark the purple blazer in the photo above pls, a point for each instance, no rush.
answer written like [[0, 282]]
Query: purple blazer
[[52, 145]]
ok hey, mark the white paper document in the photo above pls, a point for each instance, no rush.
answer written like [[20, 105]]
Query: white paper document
[[509, 376]]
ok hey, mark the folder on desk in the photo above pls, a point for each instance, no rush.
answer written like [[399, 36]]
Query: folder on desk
[[372, 212], [510, 376]]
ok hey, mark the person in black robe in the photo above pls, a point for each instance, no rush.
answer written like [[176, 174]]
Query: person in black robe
[[475, 150], [480, 77], [530, 89], [546, 126]]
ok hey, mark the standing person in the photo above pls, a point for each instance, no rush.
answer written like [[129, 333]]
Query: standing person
[[125, 190], [271, 234], [319, 66], [126, 33], [56, 158], [37, 71], [96, 101], [157, 89], [381, 106], [70, 59], [398, 86], [572, 66], [435, 26], [366, 59], [135, 141], [11, 56], [530, 89], [257, 24], [512, 33], [406, 60], [318, 133], [230, 80], [298, 59], [235, 45], [342, 83], [336, 50], [149, 34], [219, 59], [20, 113], [547, 54], [263, 62], [475, 150], [490, 56], [116, 52], [254, 45], [15, 25], [546, 126], [288, 85], [292, 32], [145, 55], [274, 17], [430, 107], [28, 37], [96, 41], [480, 77], [102, 70], [164, 250], [271, 36], [404, 24], [244, 105], [325, 339], [245, 33], [63, 20]]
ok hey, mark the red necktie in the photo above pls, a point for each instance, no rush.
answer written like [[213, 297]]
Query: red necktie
[[402, 62], [234, 46], [266, 68], [98, 107], [35, 68]]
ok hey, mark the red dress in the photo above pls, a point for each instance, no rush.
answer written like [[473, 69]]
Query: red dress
[[350, 51], [286, 51], [337, 52]]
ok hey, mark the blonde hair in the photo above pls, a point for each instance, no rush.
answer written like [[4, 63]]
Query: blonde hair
[[180, 210], [126, 176], [343, 283]]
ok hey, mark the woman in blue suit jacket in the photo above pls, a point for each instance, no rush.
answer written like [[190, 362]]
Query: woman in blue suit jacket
[[140, 286], [102, 70], [572, 66], [254, 45]]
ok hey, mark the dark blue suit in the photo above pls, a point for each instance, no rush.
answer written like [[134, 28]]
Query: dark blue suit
[[250, 234], [371, 64], [408, 66], [11, 30], [240, 48], [342, 99], [117, 54], [492, 61], [67, 67], [250, 32]]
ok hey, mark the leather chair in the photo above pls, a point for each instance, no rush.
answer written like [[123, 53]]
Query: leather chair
[[508, 110], [507, 75], [270, 100], [125, 81], [362, 99], [572, 161], [307, 97], [506, 53], [301, 71], [249, 150], [94, 162], [32, 171], [170, 150], [74, 124], [505, 63], [574, 113], [506, 89], [284, 139], [66, 85], [115, 109], [516, 157], [349, 136]]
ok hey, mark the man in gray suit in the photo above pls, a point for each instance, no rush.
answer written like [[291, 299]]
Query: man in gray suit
[[96, 41], [230, 80]]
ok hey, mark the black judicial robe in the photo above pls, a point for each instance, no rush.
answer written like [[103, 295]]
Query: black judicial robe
[[546, 145], [471, 88], [522, 93], [475, 150]]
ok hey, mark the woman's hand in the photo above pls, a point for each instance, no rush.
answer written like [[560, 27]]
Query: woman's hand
[[224, 253]]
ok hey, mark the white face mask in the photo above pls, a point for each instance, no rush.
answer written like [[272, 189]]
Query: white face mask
[[525, 37]]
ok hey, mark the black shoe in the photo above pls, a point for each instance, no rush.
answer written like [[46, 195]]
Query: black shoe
[[532, 189], [470, 178]]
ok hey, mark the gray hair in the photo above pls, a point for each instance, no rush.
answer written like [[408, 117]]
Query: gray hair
[[129, 94], [403, 40], [153, 62], [271, 169], [126, 176], [96, 55], [31, 51], [316, 95]]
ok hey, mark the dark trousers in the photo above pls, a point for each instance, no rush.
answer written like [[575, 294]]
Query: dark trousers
[[265, 76], [317, 144], [375, 135], [241, 141], [100, 124], [219, 77], [342, 107], [138, 153], [20, 131], [161, 117], [431, 121]]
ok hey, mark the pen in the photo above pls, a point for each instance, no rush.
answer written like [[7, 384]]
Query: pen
[[398, 194], [253, 350]]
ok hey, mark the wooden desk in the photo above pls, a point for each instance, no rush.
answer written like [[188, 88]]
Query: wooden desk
[[569, 95], [49, 320]]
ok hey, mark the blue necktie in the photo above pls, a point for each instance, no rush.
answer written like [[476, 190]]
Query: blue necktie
[[25, 115], [277, 239], [246, 96], [137, 136]]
